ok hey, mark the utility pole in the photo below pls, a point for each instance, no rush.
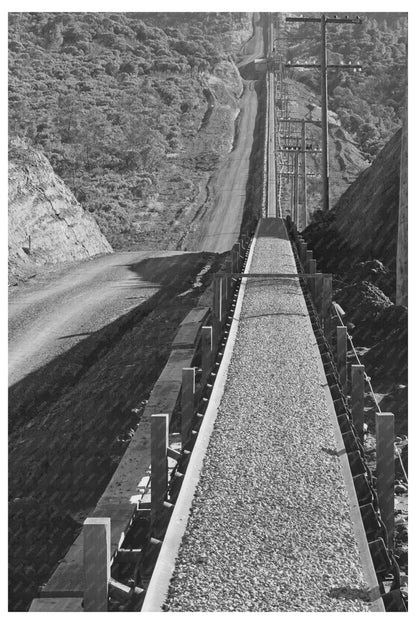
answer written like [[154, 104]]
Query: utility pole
[[323, 66], [302, 148], [305, 186]]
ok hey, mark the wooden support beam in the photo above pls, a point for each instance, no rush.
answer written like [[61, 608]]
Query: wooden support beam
[[302, 252], [235, 260], [217, 297], [223, 297], [217, 309], [97, 546], [159, 463], [123, 593], [206, 350], [319, 280], [187, 402], [357, 398], [385, 471], [342, 356], [131, 555], [227, 282], [239, 258], [172, 454], [311, 269], [327, 305]]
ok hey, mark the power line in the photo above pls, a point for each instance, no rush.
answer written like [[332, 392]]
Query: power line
[[324, 66]]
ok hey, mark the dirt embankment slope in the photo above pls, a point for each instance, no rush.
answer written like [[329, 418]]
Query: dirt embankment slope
[[357, 242], [46, 223], [363, 223]]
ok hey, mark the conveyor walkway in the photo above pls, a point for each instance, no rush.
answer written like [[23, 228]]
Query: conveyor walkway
[[272, 526]]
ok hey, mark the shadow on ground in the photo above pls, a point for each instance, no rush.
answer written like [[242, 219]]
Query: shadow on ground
[[70, 421]]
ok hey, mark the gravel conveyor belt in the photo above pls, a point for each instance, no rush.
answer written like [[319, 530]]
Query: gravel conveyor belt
[[270, 527]]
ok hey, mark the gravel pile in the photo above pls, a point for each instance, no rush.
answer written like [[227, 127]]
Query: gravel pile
[[270, 527]]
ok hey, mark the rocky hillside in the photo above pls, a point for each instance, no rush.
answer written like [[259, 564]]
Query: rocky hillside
[[133, 110], [357, 242], [46, 223], [363, 223]]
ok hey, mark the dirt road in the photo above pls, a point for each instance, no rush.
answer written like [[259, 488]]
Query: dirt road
[[219, 227], [48, 317]]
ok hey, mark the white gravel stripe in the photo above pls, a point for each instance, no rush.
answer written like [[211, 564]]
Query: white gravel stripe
[[270, 528]]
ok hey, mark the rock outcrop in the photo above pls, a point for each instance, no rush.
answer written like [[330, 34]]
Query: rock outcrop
[[46, 222]]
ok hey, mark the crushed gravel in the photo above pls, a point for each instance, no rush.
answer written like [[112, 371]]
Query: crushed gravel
[[270, 528]]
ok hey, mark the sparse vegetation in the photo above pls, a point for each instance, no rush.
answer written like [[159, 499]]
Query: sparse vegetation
[[108, 96], [370, 103]]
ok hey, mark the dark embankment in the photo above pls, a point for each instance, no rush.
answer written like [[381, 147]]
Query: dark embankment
[[357, 242], [71, 421]]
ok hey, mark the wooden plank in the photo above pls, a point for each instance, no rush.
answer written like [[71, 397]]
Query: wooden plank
[[187, 336], [56, 604], [68, 575], [178, 359], [196, 315]]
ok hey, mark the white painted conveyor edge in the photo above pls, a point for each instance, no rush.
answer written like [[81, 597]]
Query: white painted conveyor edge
[[159, 584]]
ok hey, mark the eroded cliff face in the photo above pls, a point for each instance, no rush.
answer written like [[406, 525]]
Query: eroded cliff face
[[46, 222]]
